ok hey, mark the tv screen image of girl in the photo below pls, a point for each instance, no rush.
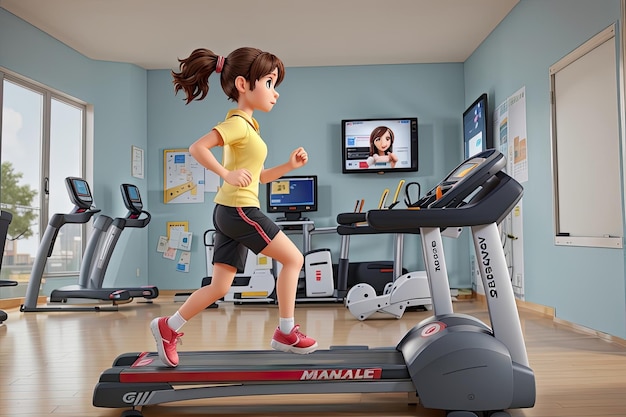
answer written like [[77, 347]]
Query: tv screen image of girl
[[381, 148], [379, 145]]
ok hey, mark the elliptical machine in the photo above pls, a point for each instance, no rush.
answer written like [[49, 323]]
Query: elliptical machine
[[404, 291]]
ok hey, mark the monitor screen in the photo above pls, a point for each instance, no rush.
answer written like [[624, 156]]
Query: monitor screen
[[133, 194], [292, 196], [476, 128], [379, 145], [79, 192], [131, 197], [81, 187]]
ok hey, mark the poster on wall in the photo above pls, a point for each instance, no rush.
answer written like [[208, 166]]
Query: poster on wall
[[183, 177], [518, 155], [211, 181], [510, 138]]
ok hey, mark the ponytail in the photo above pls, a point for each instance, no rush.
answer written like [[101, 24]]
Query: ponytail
[[250, 63]]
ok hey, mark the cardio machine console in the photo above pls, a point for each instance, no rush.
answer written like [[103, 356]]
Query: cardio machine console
[[79, 192], [463, 181], [132, 198]]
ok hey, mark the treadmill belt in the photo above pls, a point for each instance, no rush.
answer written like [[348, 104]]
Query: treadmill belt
[[240, 366]]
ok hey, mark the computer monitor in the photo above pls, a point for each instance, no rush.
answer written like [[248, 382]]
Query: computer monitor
[[477, 127], [292, 196]]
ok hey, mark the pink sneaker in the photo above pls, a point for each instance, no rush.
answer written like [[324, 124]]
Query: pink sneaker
[[295, 342], [166, 340]]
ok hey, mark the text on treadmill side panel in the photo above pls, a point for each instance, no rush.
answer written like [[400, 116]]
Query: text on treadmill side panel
[[137, 398], [436, 256], [486, 259], [319, 374]]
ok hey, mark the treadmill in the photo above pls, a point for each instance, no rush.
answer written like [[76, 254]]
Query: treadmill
[[80, 195], [453, 362], [100, 249]]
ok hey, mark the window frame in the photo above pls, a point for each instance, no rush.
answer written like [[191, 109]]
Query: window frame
[[49, 94]]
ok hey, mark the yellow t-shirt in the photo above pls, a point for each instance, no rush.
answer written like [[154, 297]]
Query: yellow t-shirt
[[243, 148]]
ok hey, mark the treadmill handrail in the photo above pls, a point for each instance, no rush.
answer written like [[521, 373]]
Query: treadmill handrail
[[493, 163], [59, 219], [134, 220], [490, 208], [351, 218]]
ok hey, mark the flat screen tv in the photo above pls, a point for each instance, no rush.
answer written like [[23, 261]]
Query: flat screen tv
[[292, 196], [477, 127], [379, 145]]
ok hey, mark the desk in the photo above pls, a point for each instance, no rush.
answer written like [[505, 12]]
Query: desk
[[299, 226], [307, 228]]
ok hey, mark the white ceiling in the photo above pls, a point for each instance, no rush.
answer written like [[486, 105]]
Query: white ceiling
[[154, 33]]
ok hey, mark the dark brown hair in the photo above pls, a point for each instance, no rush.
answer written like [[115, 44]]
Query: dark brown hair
[[250, 63], [378, 133]]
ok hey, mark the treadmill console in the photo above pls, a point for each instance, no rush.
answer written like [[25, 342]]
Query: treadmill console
[[79, 192], [463, 180], [132, 198]]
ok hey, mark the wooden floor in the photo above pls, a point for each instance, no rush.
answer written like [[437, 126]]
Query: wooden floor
[[50, 362]]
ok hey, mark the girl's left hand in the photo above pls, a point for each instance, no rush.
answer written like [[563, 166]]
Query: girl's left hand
[[298, 158]]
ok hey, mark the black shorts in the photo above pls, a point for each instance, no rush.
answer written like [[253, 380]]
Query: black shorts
[[238, 229]]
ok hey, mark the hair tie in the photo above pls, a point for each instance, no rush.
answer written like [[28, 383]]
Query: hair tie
[[220, 64]]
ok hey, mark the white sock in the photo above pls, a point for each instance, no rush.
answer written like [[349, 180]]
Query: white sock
[[176, 322], [286, 325]]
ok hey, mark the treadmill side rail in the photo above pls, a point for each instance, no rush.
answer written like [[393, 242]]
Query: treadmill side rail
[[118, 395]]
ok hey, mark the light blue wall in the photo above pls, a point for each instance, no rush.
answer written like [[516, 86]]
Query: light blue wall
[[118, 95], [584, 285], [312, 103]]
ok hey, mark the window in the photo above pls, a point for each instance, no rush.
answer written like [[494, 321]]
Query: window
[[42, 141]]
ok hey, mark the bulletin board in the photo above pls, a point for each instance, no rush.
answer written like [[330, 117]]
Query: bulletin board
[[182, 226], [183, 177]]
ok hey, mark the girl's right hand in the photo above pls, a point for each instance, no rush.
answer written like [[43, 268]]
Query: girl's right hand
[[239, 177]]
